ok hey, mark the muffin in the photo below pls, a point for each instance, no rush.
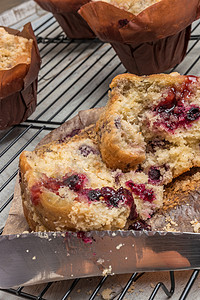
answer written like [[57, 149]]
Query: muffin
[[65, 12], [19, 67], [148, 36], [152, 123], [66, 186]]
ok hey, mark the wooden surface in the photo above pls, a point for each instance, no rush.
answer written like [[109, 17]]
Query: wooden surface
[[8, 4]]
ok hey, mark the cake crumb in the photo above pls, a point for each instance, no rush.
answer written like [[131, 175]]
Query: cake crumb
[[131, 288], [152, 285], [34, 257], [79, 290], [107, 271], [89, 292], [196, 225], [100, 261], [106, 294], [119, 246]]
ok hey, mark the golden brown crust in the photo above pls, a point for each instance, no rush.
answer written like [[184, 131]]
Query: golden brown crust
[[154, 23]]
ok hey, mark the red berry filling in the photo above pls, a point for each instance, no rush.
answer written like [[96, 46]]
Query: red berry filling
[[35, 193], [174, 110], [85, 150], [76, 183], [141, 191], [154, 175], [110, 196]]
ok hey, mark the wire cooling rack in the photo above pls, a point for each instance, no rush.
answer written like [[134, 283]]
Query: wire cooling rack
[[74, 76]]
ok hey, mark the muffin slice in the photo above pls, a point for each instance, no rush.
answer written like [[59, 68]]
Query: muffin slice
[[153, 121], [66, 186]]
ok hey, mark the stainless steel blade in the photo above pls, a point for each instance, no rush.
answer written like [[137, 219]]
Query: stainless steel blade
[[40, 257]]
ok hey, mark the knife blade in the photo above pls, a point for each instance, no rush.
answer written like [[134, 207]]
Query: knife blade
[[32, 258]]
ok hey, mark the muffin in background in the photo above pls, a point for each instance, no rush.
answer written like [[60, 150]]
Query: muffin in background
[[65, 12], [148, 36], [19, 67]]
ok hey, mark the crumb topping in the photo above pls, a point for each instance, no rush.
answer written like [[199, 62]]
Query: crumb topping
[[13, 50]]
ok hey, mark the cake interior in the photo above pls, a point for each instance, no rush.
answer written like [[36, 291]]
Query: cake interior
[[165, 112]]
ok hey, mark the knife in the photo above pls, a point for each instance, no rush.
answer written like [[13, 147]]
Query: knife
[[32, 258]]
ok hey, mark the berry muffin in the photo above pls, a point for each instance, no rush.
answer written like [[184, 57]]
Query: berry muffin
[[152, 124], [66, 186], [19, 67], [149, 36], [65, 12]]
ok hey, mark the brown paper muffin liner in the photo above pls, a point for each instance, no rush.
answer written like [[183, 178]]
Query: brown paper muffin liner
[[154, 57], [142, 41], [65, 12], [18, 85]]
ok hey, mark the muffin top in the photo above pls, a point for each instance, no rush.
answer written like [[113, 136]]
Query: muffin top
[[13, 50], [133, 6]]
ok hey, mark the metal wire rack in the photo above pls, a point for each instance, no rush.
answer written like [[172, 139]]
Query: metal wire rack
[[75, 75]]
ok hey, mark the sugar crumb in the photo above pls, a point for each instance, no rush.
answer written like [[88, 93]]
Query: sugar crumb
[[106, 294], [119, 246]]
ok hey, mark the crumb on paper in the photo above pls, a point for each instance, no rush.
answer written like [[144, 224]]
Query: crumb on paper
[[107, 271], [119, 246], [100, 261], [141, 290], [168, 226], [196, 225], [126, 257], [68, 254], [79, 290], [133, 245], [34, 258], [106, 294], [43, 235], [152, 285], [131, 288], [89, 292]]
